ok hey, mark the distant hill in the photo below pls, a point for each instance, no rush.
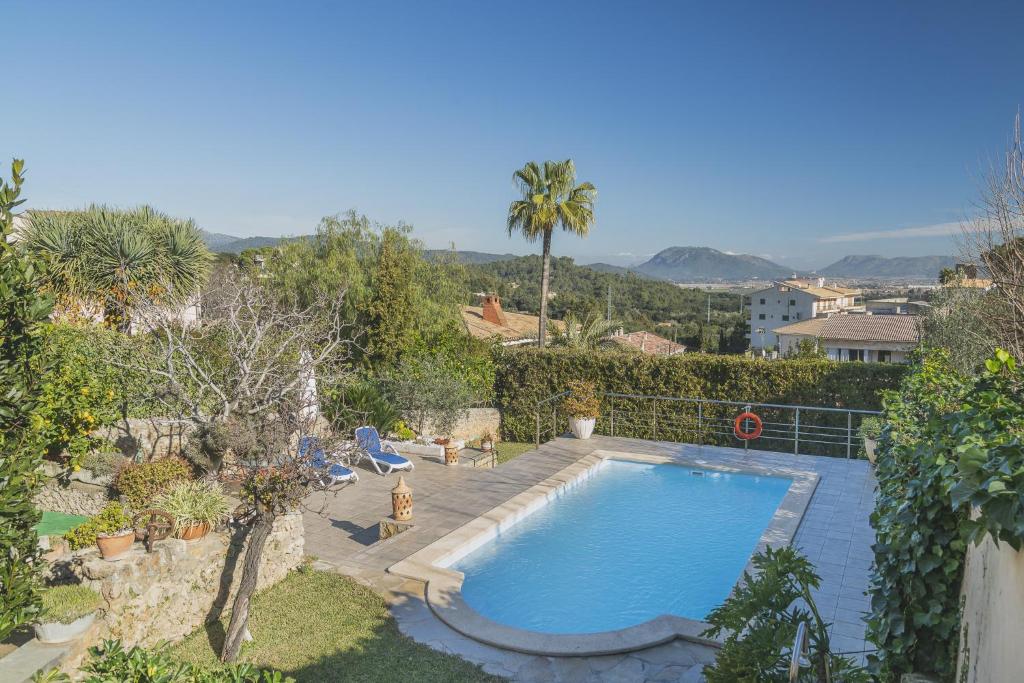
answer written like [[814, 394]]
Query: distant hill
[[704, 264], [896, 268], [469, 257], [221, 243]]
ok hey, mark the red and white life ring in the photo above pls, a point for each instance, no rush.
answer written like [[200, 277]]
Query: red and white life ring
[[738, 425]]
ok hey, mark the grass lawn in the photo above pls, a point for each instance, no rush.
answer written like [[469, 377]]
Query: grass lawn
[[56, 523], [507, 450], [320, 626]]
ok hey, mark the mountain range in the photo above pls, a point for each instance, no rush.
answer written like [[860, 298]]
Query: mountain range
[[896, 268], [229, 244], [682, 264]]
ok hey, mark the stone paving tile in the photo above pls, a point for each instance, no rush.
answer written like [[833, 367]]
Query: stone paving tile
[[835, 534]]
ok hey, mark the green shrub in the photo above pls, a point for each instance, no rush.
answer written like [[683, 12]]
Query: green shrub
[[109, 661], [111, 519], [430, 395], [760, 620], [360, 404], [140, 483], [582, 401], [24, 310], [104, 463], [194, 502], [919, 547], [402, 432], [65, 604], [528, 375]]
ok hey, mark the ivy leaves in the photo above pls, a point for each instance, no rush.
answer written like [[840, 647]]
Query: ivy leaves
[[986, 443]]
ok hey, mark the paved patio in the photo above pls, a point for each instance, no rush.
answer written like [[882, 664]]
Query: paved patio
[[834, 533]]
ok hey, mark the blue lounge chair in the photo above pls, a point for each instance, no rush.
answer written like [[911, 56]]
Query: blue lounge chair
[[381, 455], [329, 473]]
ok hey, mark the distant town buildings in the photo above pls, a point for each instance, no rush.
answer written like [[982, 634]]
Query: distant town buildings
[[884, 338], [795, 300]]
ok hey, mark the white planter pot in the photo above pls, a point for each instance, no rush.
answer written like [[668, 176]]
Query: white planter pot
[[55, 632], [582, 427]]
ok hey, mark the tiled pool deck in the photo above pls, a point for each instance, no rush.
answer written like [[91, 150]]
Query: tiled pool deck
[[834, 533]]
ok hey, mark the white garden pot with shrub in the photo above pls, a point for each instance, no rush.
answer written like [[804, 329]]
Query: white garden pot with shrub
[[583, 407], [68, 612]]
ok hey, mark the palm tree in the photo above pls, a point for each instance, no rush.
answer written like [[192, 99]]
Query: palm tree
[[588, 332], [551, 197]]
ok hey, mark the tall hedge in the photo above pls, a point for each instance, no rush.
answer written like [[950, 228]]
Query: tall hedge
[[527, 375]]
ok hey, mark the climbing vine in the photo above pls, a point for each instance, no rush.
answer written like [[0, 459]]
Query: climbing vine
[[951, 446]]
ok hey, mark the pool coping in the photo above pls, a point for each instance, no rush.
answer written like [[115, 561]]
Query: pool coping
[[443, 585]]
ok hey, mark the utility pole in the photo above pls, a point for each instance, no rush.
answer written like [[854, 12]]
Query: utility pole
[[709, 308], [609, 314]]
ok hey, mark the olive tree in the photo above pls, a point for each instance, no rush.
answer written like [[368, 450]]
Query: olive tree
[[244, 377]]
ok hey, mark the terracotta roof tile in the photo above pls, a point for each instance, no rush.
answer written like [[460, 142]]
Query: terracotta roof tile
[[885, 328]]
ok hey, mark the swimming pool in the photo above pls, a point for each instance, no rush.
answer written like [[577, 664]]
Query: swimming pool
[[627, 544]]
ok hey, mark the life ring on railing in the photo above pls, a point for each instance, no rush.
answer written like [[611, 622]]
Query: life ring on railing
[[737, 426]]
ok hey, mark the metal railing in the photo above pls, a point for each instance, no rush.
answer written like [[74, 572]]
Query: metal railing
[[800, 429]]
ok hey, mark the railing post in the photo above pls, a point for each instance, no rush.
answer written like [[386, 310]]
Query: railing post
[[537, 415], [849, 433], [612, 398], [746, 442], [554, 421], [796, 433], [654, 425], [700, 422]]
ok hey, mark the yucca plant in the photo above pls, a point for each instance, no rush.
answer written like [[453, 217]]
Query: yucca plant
[[194, 503], [108, 258]]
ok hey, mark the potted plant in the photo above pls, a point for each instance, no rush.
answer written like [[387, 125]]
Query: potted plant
[[67, 612], [583, 407], [117, 536], [487, 442], [870, 430], [197, 507]]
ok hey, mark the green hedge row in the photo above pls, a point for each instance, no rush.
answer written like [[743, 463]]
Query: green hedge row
[[527, 375]]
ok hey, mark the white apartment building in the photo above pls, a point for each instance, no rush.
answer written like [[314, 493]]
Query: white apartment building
[[886, 338], [792, 301]]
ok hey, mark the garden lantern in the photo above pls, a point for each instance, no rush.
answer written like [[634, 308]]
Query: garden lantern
[[401, 501]]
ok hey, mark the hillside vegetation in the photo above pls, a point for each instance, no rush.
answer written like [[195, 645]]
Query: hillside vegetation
[[639, 302]]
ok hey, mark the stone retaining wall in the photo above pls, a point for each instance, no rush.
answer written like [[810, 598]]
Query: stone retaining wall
[[476, 423], [75, 498], [166, 594], [155, 437]]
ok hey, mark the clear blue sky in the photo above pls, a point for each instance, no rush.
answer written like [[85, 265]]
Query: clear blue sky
[[795, 130]]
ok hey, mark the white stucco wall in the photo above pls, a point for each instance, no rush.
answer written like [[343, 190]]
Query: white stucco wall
[[992, 630]]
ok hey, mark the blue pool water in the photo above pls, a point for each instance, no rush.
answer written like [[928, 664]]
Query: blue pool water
[[631, 543]]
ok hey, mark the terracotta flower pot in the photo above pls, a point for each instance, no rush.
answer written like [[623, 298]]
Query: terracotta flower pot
[[193, 532], [113, 547]]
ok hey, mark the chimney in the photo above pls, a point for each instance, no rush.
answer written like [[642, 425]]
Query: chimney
[[492, 310]]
